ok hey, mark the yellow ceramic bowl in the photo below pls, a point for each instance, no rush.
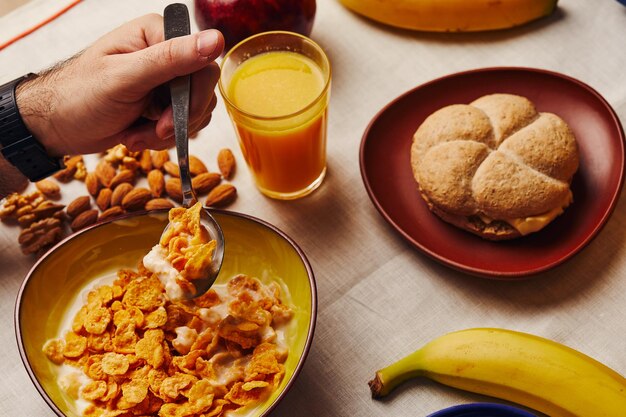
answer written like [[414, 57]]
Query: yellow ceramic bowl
[[253, 247]]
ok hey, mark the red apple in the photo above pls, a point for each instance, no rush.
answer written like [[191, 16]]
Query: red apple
[[238, 19]]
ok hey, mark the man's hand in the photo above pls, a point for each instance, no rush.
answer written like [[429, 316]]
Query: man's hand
[[115, 91]]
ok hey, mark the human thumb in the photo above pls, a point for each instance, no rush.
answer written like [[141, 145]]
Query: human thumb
[[184, 55]]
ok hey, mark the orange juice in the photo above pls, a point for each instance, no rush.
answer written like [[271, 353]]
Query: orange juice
[[281, 100]]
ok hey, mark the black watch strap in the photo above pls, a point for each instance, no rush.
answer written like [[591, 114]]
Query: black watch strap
[[19, 147]]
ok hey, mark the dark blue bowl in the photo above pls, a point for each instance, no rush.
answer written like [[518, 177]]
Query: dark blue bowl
[[482, 410]]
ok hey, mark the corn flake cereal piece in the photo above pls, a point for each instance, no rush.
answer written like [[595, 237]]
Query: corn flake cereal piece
[[144, 293], [187, 363], [239, 396], [249, 386], [97, 320], [54, 349], [94, 390], [201, 396], [218, 408], [155, 319], [79, 320], [172, 386], [263, 362], [125, 338], [94, 368], [199, 264], [75, 345], [135, 391], [150, 348], [115, 363], [155, 379], [99, 342]]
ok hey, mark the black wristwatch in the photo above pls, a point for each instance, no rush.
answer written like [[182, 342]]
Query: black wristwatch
[[19, 146]]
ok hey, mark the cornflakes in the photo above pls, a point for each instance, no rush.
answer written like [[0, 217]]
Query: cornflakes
[[54, 349], [114, 363], [140, 353]]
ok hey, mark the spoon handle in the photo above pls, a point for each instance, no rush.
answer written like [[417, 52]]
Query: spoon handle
[[176, 22]]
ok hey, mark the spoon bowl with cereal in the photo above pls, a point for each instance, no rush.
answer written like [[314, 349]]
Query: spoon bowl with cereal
[[193, 238]]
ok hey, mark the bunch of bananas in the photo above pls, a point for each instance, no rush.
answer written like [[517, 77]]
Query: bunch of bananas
[[526, 369], [452, 15]]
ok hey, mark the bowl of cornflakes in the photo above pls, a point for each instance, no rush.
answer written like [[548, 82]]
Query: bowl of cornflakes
[[99, 334]]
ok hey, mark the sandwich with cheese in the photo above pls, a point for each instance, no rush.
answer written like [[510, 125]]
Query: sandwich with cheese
[[495, 167]]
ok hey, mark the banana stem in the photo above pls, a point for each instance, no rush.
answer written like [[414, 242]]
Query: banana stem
[[388, 378]]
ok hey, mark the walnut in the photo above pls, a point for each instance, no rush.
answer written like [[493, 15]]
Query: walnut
[[40, 235]]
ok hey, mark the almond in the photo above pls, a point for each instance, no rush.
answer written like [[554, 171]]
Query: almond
[[111, 213], [145, 161], [156, 182], [171, 168], [46, 209], [119, 192], [122, 177], [92, 183], [174, 190], [196, 166], [221, 195], [136, 199], [105, 173], [48, 188], [226, 162], [159, 158], [130, 164], [203, 183], [159, 203], [84, 219], [78, 205], [104, 199]]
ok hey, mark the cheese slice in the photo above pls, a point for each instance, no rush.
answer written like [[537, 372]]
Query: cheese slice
[[531, 224]]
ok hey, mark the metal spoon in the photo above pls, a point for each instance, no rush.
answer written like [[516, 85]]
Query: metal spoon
[[176, 22]]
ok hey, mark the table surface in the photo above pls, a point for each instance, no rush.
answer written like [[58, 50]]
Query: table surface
[[379, 299]]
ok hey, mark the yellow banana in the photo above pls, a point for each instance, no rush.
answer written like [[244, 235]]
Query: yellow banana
[[518, 367], [452, 15]]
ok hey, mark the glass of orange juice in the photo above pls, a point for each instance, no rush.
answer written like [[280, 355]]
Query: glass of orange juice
[[276, 86]]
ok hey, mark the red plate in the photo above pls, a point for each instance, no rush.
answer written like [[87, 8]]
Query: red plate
[[386, 171]]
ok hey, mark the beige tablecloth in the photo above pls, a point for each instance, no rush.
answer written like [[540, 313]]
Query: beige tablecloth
[[379, 299]]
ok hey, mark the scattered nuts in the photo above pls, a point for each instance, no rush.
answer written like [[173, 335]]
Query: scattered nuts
[[122, 177], [196, 166], [159, 158], [84, 219], [104, 199], [159, 203], [111, 213], [48, 188], [119, 192], [47, 209], [171, 168], [145, 161], [92, 183], [203, 183], [221, 195], [78, 205], [136, 199], [156, 182], [40, 235], [174, 190], [105, 173], [226, 162]]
